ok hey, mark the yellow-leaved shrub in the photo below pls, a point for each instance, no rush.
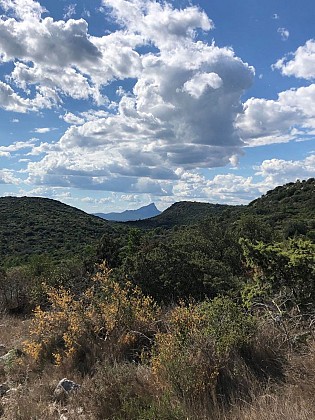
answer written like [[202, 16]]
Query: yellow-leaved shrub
[[108, 316]]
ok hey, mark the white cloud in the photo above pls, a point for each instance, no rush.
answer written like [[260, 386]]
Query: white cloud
[[43, 130], [43, 147], [284, 33], [278, 171], [228, 188], [55, 56], [182, 112], [11, 101], [200, 82], [4, 154], [70, 10], [7, 177], [159, 23], [72, 119], [61, 58], [18, 145], [302, 65], [61, 194], [23, 9], [277, 121], [179, 114], [231, 188]]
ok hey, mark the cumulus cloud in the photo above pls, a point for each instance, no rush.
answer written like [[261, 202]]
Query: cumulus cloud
[[18, 145], [231, 188], [4, 154], [23, 9], [302, 65], [11, 101], [7, 177], [279, 171], [180, 112], [57, 57], [159, 23], [277, 121], [198, 84]]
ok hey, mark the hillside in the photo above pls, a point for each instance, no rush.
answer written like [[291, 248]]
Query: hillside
[[185, 213], [295, 198], [32, 225], [291, 206]]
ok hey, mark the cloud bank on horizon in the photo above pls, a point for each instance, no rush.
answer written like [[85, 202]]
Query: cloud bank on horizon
[[150, 105]]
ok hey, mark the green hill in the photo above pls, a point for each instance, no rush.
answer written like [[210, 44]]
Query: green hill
[[186, 213], [295, 198], [290, 207], [32, 225]]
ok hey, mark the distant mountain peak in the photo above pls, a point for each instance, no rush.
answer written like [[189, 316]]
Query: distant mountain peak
[[148, 206], [144, 212]]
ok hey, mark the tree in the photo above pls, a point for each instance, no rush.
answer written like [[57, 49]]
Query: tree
[[287, 268]]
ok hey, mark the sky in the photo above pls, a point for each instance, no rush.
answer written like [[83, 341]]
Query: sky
[[109, 105]]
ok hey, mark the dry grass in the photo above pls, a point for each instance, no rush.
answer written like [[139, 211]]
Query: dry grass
[[269, 382], [13, 331], [293, 400]]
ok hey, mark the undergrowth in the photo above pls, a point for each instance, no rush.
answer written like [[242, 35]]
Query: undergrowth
[[135, 359]]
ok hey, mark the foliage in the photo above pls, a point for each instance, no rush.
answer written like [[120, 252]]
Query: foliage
[[253, 228], [36, 226], [286, 268], [107, 314], [40, 225], [203, 355], [15, 286], [185, 213], [22, 287], [189, 357], [288, 209], [195, 261]]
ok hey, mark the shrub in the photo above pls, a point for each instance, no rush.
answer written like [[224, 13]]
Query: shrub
[[286, 268], [125, 392], [108, 315], [15, 290], [191, 358]]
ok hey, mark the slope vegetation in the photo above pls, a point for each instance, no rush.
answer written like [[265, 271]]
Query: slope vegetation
[[291, 206], [186, 213], [32, 225]]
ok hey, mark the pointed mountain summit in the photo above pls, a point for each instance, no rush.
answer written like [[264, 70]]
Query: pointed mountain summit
[[144, 212]]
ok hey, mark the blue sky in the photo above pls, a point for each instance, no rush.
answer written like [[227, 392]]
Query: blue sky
[[112, 104]]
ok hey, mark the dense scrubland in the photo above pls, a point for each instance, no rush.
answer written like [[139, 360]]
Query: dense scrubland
[[203, 312]]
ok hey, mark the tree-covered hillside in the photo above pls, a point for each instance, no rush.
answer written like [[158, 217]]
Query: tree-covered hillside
[[186, 213], [291, 206], [32, 225], [287, 209]]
